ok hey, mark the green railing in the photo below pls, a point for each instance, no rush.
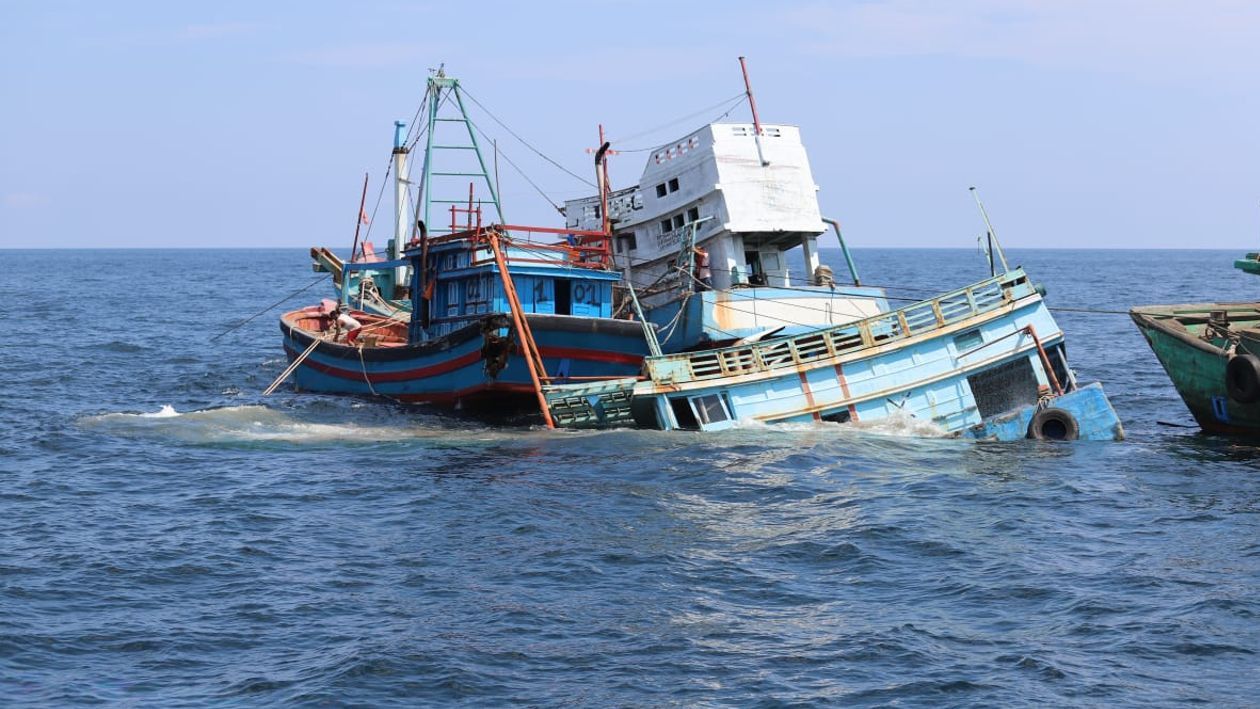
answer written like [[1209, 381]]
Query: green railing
[[793, 351]]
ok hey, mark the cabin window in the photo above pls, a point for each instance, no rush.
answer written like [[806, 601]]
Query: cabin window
[[673, 185], [968, 340], [476, 296], [693, 214], [626, 242], [1003, 388], [678, 221], [666, 226], [841, 416], [710, 408], [683, 414], [452, 298], [660, 190]]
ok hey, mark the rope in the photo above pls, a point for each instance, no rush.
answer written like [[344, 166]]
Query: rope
[[523, 142], [734, 102], [521, 172], [1093, 311], [246, 321], [363, 366]]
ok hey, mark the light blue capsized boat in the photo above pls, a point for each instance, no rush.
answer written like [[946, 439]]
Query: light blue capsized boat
[[986, 361]]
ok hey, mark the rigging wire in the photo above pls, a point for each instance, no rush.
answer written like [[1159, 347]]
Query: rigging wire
[[526, 144], [733, 101], [412, 126], [509, 160], [247, 320]]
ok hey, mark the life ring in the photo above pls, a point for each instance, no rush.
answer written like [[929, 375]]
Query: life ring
[[1054, 424], [1242, 378]]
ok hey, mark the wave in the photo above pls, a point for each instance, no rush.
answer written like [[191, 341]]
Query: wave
[[247, 424], [897, 425]]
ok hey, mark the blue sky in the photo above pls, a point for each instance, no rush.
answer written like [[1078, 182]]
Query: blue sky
[[1084, 123]]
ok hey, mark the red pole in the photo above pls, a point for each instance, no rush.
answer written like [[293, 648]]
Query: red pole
[[752, 103], [358, 218]]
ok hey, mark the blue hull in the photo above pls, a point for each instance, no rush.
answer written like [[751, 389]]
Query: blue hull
[[476, 364], [981, 362]]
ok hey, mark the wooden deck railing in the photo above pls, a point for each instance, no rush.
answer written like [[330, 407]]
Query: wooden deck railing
[[786, 352]]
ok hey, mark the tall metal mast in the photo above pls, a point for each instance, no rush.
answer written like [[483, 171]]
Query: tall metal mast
[[441, 90], [402, 215], [997, 246]]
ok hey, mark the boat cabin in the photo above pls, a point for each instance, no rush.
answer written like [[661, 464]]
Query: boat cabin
[[456, 282]]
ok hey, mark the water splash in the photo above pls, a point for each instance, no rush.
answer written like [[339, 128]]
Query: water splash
[[247, 424]]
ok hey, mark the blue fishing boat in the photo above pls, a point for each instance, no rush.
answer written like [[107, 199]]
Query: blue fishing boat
[[492, 318], [470, 314], [986, 361]]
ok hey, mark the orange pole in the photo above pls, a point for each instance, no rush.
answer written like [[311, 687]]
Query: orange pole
[[1045, 360], [533, 360]]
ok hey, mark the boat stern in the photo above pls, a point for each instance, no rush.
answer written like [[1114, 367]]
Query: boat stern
[[1084, 414]]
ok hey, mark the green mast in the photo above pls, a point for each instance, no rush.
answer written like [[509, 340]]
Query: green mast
[[441, 89]]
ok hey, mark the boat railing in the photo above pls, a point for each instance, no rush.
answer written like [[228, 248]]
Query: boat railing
[[793, 351], [579, 248]]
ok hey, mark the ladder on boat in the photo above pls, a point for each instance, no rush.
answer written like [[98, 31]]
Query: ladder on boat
[[445, 90]]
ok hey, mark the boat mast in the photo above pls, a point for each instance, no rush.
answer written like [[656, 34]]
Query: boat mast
[[601, 170], [997, 246], [402, 215], [438, 83], [752, 103]]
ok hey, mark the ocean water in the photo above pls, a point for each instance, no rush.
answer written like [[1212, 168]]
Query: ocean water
[[170, 538]]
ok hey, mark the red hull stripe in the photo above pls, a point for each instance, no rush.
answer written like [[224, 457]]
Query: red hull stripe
[[460, 362], [590, 355], [525, 391], [409, 374]]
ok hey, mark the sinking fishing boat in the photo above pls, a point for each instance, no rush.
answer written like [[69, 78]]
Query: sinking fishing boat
[[472, 314], [741, 197], [492, 318], [986, 361], [1211, 352]]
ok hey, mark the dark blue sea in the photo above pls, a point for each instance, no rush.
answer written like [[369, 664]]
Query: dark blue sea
[[170, 538]]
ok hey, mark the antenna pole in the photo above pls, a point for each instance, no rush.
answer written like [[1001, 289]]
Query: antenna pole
[[601, 174], [752, 103], [358, 218], [997, 246]]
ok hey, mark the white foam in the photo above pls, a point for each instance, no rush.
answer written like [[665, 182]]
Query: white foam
[[246, 424], [898, 425]]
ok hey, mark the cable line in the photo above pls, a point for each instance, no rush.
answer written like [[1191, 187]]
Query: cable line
[[526, 144]]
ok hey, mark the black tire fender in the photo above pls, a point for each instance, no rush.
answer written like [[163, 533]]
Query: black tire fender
[[1242, 378], [1054, 424]]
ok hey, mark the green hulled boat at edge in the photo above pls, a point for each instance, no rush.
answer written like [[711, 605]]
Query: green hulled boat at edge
[[1211, 351]]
